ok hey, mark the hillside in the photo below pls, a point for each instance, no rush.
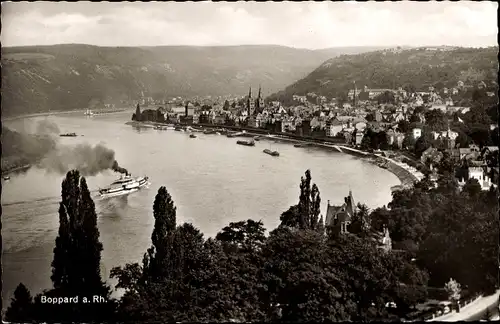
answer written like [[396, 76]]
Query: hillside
[[65, 77], [418, 68], [19, 149]]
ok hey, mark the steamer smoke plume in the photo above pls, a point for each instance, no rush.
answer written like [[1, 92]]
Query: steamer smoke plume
[[44, 146], [89, 160]]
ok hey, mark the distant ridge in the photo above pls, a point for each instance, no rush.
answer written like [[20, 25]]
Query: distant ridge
[[77, 76], [417, 67]]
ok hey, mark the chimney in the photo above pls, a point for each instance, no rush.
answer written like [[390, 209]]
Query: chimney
[[328, 202]]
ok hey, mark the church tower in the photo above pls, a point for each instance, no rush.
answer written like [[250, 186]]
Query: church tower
[[250, 103], [259, 102]]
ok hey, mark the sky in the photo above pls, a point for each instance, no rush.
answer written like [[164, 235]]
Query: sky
[[312, 25]]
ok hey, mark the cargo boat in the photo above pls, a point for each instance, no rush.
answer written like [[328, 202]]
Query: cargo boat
[[272, 153], [68, 135], [246, 143]]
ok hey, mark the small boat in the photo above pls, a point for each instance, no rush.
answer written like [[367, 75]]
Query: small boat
[[298, 145], [68, 135], [272, 153], [217, 133], [179, 129], [231, 135], [246, 143], [123, 186], [6, 178], [192, 136], [209, 131], [256, 138]]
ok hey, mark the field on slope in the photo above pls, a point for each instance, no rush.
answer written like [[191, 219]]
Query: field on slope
[[414, 68], [66, 77]]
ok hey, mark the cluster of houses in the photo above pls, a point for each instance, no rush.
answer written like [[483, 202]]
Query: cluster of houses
[[474, 163], [314, 115]]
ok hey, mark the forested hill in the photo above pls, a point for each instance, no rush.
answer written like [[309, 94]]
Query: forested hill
[[65, 77], [416, 68]]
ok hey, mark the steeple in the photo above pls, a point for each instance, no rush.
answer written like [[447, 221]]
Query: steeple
[[250, 103], [258, 97]]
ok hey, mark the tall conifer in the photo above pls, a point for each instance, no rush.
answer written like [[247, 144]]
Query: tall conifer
[[20, 309]]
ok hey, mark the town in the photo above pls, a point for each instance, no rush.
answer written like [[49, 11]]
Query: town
[[417, 128]]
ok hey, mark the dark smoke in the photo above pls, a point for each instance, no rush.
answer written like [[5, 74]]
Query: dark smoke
[[89, 160], [43, 148], [28, 147], [115, 167]]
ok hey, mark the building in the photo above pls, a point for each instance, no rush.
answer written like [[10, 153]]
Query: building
[[417, 132], [259, 102], [383, 239], [358, 138], [252, 121], [360, 126], [306, 127], [478, 173], [250, 103], [333, 127], [339, 217]]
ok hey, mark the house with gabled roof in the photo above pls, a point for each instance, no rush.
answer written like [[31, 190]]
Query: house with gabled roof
[[339, 217]]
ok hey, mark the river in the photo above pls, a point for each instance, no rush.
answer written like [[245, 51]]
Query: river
[[212, 181]]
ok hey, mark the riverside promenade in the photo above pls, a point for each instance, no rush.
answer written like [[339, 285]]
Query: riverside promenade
[[472, 311]]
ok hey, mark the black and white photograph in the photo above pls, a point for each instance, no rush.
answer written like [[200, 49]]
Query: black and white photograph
[[195, 162]]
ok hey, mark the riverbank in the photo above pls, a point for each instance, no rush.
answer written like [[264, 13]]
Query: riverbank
[[60, 112], [20, 168], [406, 174]]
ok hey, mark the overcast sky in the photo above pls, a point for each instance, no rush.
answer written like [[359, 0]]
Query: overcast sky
[[305, 24]]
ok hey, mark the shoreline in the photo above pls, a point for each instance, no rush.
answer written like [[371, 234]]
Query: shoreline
[[20, 168], [59, 112], [406, 176]]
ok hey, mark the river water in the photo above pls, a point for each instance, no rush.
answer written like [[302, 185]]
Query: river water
[[212, 181]]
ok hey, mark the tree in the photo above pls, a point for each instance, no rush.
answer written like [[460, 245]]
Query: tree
[[409, 141], [462, 140], [297, 285], [226, 105], [487, 315], [360, 223], [453, 289], [472, 188], [306, 214], [309, 203], [247, 235], [77, 256], [164, 213], [423, 143], [21, 306], [290, 217], [446, 165], [60, 268], [386, 97], [403, 126], [436, 120]]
